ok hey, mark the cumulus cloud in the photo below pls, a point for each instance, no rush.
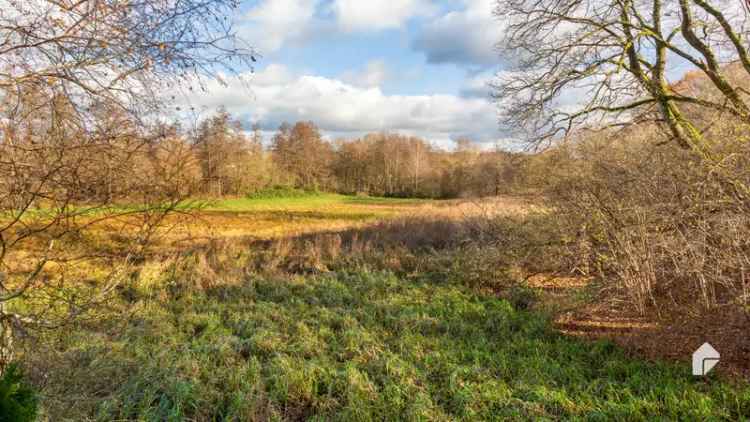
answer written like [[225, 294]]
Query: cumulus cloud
[[478, 85], [273, 23], [359, 15], [465, 37], [374, 74], [275, 95]]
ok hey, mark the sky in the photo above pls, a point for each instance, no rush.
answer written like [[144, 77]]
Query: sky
[[416, 67]]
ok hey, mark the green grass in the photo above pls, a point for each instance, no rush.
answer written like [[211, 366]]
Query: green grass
[[358, 346], [270, 203], [267, 200], [282, 192], [230, 333], [267, 215]]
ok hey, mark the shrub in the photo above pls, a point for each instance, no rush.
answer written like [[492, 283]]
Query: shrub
[[18, 401], [658, 224]]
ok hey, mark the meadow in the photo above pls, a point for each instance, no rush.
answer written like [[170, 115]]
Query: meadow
[[274, 216], [607, 239], [329, 307]]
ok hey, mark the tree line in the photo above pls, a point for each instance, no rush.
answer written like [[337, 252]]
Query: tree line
[[226, 161]]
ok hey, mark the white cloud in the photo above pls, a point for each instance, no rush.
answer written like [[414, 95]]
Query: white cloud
[[374, 74], [478, 85], [372, 15], [275, 95], [465, 36], [273, 74], [273, 23]]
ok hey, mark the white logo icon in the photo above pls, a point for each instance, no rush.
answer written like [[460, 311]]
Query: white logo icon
[[704, 359]]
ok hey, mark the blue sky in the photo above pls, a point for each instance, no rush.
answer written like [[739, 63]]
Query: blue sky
[[417, 67]]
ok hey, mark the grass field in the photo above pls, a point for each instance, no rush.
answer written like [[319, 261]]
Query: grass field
[[278, 216], [395, 331], [314, 202], [362, 346]]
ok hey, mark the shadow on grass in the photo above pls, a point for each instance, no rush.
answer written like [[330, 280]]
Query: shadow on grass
[[291, 215], [372, 200]]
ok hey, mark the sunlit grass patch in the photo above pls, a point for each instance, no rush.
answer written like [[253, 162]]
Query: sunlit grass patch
[[310, 202], [275, 216]]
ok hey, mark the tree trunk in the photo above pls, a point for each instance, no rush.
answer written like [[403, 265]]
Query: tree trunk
[[6, 339]]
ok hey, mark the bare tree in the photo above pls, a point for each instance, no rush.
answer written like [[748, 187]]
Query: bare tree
[[225, 155], [81, 82], [600, 63], [301, 152]]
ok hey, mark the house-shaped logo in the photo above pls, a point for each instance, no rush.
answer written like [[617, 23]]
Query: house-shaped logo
[[704, 359]]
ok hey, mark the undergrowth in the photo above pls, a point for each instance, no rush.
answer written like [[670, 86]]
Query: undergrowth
[[18, 400], [356, 345]]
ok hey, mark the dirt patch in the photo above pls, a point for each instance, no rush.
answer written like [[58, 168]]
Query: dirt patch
[[674, 335]]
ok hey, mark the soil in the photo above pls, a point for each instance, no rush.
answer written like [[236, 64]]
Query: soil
[[669, 334]]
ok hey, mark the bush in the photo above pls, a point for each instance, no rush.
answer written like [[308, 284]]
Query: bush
[[18, 401], [656, 223]]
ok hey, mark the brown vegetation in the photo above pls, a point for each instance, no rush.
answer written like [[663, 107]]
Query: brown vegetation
[[653, 184], [378, 164], [78, 144]]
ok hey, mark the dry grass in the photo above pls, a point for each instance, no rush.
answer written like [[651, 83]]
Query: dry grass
[[279, 217]]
